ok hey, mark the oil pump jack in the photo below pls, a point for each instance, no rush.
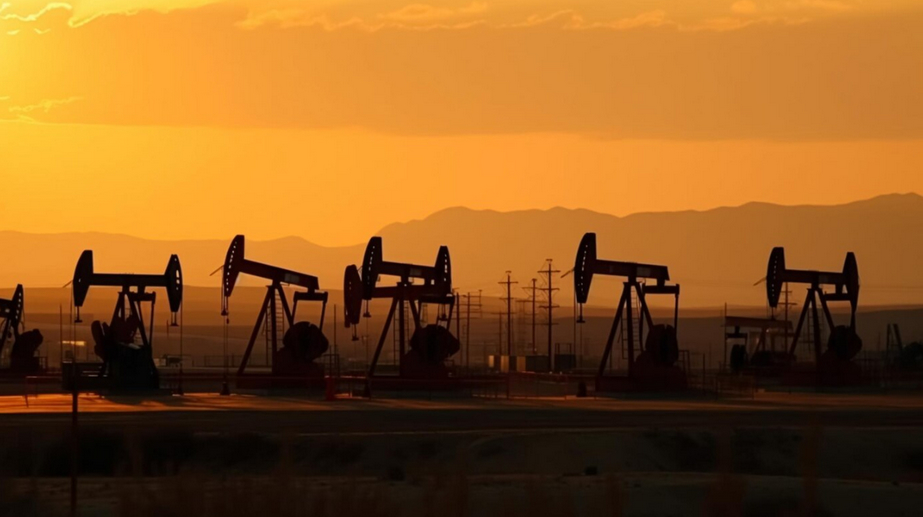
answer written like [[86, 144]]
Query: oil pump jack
[[22, 355], [124, 345], [655, 366], [303, 342], [834, 366], [430, 345]]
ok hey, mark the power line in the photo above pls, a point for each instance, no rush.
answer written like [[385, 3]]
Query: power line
[[548, 290], [470, 308], [509, 312], [533, 298]]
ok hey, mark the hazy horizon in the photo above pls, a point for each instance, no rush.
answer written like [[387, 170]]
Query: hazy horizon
[[385, 225], [717, 255]]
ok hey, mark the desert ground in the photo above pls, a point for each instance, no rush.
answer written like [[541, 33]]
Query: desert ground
[[203, 454]]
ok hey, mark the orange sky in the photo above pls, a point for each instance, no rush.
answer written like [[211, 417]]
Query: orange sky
[[182, 119]]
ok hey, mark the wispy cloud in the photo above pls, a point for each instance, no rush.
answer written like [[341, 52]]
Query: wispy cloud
[[572, 20], [656, 18], [288, 18], [44, 105], [332, 16], [425, 13], [420, 17], [750, 7], [53, 6], [427, 17]]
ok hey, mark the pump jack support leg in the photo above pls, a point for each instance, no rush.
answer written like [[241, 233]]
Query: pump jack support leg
[[289, 313], [676, 313], [381, 340], [646, 316], [135, 310], [615, 326], [823, 304], [631, 337], [415, 313], [804, 313], [401, 327], [255, 333], [817, 347]]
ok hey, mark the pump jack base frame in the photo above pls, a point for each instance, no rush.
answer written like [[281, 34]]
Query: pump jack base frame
[[10, 373], [91, 382], [832, 373], [252, 381], [396, 386]]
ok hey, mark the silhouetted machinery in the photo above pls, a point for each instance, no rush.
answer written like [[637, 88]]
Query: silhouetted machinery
[[655, 367], [303, 342], [23, 358], [124, 344], [834, 365], [763, 355], [430, 345], [904, 357]]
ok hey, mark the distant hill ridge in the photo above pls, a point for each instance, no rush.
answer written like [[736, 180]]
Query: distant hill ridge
[[715, 254]]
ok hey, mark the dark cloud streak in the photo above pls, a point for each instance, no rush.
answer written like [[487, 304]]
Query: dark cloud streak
[[836, 79]]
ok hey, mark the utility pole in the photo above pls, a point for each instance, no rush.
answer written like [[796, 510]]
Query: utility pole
[[61, 336], [457, 309], [477, 312], [576, 349], [336, 349], [534, 298], [468, 332], [549, 290], [521, 333], [499, 334], [509, 312]]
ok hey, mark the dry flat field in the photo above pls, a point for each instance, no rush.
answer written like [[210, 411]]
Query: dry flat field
[[204, 455]]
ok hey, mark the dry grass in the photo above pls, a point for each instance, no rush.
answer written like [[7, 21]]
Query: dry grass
[[141, 488]]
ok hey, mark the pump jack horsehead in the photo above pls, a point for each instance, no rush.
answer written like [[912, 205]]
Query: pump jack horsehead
[[124, 345], [25, 344], [835, 364], [303, 342], [431, 345], [655, 366]]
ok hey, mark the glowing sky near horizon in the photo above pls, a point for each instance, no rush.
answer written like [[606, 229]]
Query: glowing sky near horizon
[[330, 119]]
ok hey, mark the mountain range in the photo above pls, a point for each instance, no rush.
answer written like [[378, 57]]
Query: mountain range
[[716, 255]]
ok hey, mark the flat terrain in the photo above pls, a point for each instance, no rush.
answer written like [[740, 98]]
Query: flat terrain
[[268, 413], [203, 454]]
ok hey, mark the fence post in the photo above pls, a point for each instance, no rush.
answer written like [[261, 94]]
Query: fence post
[[330, 392]]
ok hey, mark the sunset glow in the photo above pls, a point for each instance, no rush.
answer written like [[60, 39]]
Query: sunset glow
[[362, 114]]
